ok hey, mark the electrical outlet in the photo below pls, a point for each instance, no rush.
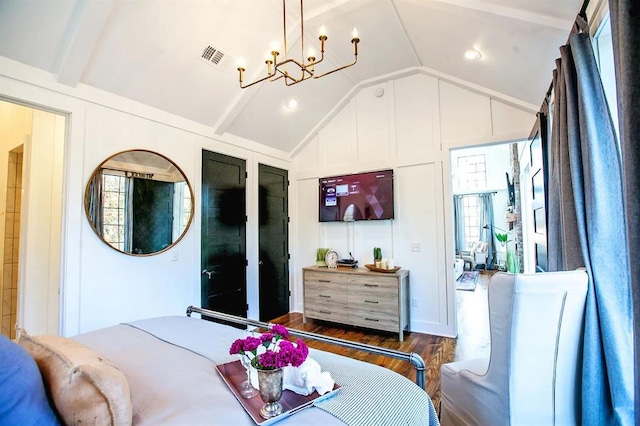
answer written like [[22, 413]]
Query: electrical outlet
[[175, 256], [415, 246], [414, 302]]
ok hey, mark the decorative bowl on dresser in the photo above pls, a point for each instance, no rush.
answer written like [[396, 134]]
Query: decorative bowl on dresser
[[358, 297]]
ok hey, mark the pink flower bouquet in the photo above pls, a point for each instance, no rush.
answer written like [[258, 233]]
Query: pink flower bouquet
[[270, 350]]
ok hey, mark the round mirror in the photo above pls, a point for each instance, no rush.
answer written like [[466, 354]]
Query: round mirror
[[139, 202]]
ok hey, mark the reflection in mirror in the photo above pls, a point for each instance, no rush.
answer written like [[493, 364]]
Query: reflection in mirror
[[139, 202]]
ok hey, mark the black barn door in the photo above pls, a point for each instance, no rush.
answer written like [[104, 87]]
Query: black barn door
[[273, 208], [223, 235]]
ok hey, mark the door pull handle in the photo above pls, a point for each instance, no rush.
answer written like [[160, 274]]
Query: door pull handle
[[209, 273]]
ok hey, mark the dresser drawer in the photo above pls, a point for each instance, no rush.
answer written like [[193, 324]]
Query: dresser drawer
[[326, 301], [374, 319], [327, 313], [381, 297], [322, 290], [379, 281], [325, 277]]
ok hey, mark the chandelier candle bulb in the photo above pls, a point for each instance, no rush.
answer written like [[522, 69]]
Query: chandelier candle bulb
[[323, 32], [354, 34]]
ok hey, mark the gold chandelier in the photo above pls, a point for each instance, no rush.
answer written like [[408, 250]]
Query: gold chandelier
[[304, 69]]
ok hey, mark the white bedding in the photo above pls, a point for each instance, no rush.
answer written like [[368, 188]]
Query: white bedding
[[170, 365]]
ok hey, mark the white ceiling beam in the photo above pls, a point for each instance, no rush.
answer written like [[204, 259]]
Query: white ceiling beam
[[82, 34], [504, 11], [407, 39]]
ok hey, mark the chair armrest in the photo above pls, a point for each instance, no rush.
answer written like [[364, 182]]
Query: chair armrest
[[480, 257]]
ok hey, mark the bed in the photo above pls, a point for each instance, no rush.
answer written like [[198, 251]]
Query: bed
[[168, 365]]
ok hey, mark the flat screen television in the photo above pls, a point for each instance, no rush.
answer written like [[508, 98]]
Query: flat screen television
[[359, 196]]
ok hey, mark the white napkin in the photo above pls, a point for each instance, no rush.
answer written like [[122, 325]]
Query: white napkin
[[303, 380]]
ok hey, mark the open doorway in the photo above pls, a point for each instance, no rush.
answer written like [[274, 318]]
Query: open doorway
[[31, 185], [483, 190], [482, 183]]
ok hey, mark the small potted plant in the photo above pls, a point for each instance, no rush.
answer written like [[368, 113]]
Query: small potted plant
[[377, 256], [320, 256]]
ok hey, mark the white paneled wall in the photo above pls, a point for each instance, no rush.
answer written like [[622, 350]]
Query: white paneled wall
[[409, 124], [100, 286], [427, 131]]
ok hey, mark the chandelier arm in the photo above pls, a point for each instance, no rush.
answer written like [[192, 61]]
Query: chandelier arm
[[301, 66], [337, 69], [255, 82], [355, 42], [314, 62], [295, 81]]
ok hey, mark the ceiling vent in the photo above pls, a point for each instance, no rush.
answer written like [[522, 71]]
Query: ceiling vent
[[216, 58]]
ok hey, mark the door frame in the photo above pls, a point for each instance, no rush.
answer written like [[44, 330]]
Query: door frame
[[34, 320]]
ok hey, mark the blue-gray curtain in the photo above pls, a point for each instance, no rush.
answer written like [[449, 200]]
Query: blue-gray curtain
[[562, 238], [486, 233], [95, 203], [458, 217], [595, 168], [625, 28]]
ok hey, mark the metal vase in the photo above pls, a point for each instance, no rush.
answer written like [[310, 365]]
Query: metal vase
[[270, 384]]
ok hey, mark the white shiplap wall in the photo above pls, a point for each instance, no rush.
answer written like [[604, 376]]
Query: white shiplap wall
[[410, 128]]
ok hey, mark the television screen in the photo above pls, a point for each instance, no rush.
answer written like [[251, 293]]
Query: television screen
[[360, 196]]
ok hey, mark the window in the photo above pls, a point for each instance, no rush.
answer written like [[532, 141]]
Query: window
[[604, 55], [181, 208], [472, 172], [471, 207], [113, 228]]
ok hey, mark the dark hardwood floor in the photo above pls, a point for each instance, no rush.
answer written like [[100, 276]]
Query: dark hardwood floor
[[472, 340]]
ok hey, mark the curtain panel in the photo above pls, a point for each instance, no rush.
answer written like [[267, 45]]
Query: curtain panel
[[458, 217], [625, 28], [486, 226], [585, 161]]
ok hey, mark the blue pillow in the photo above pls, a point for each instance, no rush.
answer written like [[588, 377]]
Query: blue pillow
[[23, 400]]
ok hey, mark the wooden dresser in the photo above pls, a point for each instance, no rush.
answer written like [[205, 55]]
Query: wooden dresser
[[357, 297]]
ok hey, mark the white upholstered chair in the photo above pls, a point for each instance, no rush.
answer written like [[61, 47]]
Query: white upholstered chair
[[532, 376], [475, 255]]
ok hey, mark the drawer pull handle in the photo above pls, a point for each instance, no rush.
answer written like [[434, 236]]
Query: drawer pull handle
[[322, 295], [325, 281], [372, 319], [325, 312], [371, 301], [371, 285]]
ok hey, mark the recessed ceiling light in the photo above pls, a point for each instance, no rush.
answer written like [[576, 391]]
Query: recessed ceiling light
[[472, 54], [291, 104]]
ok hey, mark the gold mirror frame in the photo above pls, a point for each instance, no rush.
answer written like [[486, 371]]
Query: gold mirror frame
[[110, 202]]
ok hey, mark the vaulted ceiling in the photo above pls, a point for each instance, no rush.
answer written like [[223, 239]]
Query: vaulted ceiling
[[150, 51]]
